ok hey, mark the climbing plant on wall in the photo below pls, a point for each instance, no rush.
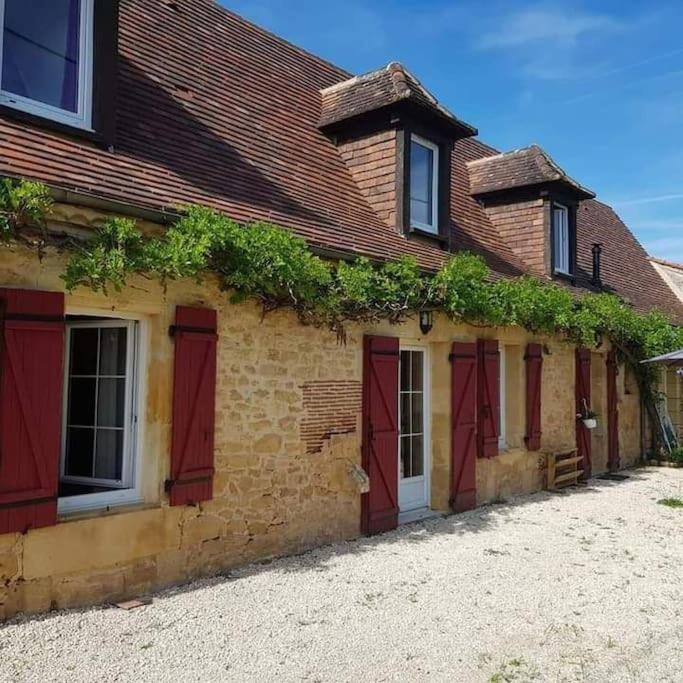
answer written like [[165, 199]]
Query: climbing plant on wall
[[271, 265], [22, 204]]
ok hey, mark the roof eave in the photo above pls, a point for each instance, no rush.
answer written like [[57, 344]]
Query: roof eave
[[458, 129], [581, 193]]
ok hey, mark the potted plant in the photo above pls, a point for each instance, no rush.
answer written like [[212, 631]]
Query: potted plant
[[588, 417]]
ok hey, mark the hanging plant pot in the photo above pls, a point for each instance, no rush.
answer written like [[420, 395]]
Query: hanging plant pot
[[590, 422]]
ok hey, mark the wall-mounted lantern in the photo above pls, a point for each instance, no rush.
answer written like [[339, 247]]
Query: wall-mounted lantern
[[426, 321]]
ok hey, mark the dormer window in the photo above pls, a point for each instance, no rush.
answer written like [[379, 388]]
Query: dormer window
[[424, 183], [46, 58], [561, 240]]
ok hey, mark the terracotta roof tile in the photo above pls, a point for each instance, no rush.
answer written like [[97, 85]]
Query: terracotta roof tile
[[378, 89], [519, 168], [625, 268]]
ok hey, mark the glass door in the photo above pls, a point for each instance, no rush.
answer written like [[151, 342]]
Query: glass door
[[413, 464]]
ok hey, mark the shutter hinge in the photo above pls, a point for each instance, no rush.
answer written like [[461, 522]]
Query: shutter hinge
[[170, 483]]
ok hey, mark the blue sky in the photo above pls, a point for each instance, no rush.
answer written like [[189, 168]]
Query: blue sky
[[597, 84]]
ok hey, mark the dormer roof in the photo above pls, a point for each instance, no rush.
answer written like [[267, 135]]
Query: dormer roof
[[521, 168], [381, 89]]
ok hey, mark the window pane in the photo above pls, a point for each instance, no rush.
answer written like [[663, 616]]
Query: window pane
[[421, 169], [84, 351], [405, 371], [405, 457], [420, 212], [82, 401], [417, 414], [111, 397], [405, 413], [40, 56], [417, 456], [113, 351], [561, 239], [421, 183], [109, 458], [417, 371], [79, 452]]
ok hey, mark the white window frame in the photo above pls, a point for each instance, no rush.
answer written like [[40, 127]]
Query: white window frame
[[82, 118], [561, 249], [130, 491], [502, 398], [427, 434], [434, 226]]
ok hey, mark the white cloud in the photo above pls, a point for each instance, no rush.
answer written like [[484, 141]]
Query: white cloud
[[552, 25]]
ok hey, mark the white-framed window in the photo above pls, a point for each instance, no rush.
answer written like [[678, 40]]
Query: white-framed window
[[561, 239], [502, 399], [424, 183], [99, 465], [46, 58]]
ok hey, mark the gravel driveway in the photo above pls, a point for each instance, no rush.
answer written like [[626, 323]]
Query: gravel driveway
[[548, 587]]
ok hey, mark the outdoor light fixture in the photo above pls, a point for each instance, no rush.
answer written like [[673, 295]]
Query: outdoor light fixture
[[426, 321]]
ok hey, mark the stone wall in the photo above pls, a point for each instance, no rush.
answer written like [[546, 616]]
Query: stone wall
[[283, 458]]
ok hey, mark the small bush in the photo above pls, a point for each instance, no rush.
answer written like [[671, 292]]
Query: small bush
[[671, 502], [676, 454]]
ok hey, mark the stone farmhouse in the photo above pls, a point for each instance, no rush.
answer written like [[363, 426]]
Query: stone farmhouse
[[157, 434]]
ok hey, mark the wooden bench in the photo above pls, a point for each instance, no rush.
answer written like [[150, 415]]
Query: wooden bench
[[564, 469]]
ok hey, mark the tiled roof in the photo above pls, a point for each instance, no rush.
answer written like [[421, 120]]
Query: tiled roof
[[215, 110], [625, 269], [520, 168], [378, 89], [668, 264]]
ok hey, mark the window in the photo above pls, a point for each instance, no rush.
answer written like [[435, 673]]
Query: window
[[561, 240], [99, 430], [424, 182], [46, 58]]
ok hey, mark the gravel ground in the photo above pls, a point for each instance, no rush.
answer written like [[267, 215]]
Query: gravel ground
[[584, 586]]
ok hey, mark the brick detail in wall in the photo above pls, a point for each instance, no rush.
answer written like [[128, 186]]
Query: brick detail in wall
[[522, 227], [330, 407], [372, 162]]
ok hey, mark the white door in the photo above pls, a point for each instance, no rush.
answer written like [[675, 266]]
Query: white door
[[413, 455]]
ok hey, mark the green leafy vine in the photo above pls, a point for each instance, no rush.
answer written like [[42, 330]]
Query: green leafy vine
[[271, 265]]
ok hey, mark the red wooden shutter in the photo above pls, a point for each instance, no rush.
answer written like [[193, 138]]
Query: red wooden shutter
[[583, 399], [463, 426], [534, 373], [194, 406], [379, 507], [31, 383], [488, 392], [612, 413]]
